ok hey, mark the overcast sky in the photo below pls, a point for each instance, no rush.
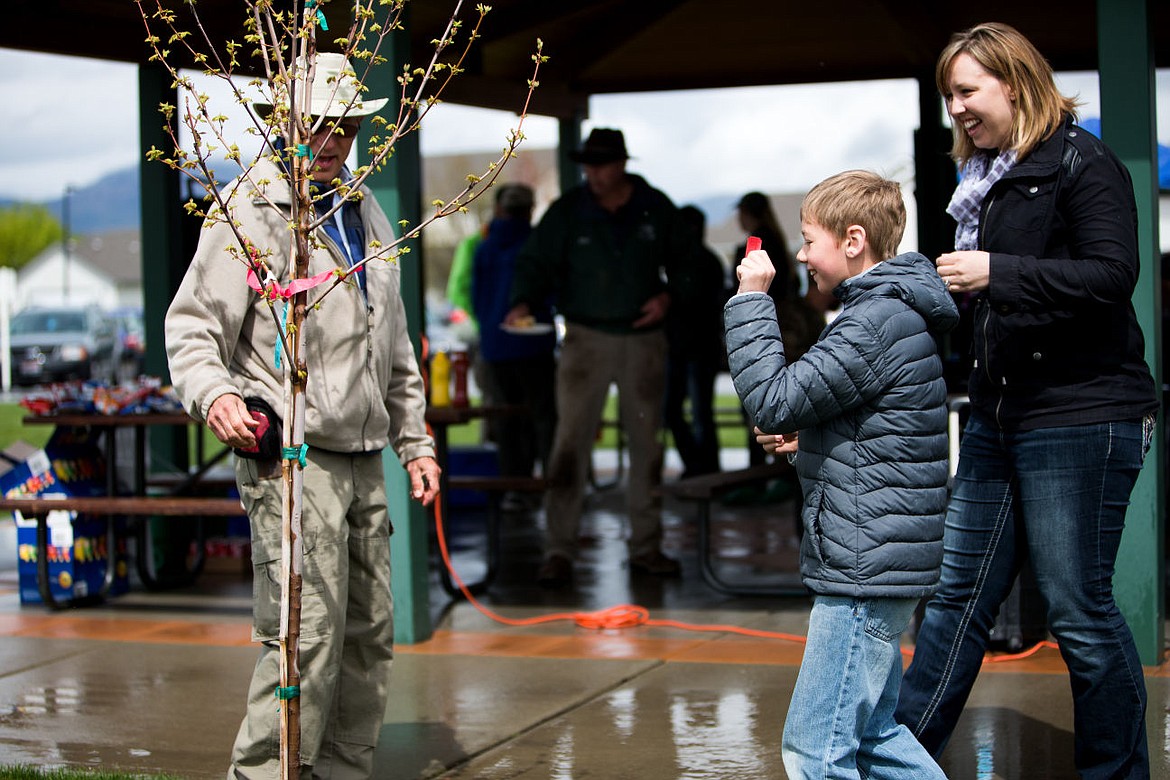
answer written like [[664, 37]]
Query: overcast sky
[[69, 121]]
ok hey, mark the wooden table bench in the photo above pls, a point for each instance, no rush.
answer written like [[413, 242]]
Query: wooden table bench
[[704, 489], [495, 487], [109, 507]]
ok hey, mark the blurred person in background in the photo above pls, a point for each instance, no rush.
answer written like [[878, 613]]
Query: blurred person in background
[[614, 254], [757, 218], [519, 363], [694, 331]]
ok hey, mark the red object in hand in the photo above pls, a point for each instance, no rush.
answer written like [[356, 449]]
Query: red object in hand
[[753, 243], [261, 429]]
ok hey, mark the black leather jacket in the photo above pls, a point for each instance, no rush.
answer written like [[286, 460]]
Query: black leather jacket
[[1056, 340]]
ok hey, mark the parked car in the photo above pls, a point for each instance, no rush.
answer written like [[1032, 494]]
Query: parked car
[[61, 343]]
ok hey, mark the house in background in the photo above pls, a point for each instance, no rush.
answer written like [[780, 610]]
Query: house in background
[[446, 175], [103, 269]]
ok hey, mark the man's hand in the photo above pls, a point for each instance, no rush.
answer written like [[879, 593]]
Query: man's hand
[[654, 310], [424, 479], [755, 272], [229, 419], [783, 443], [516, 314]]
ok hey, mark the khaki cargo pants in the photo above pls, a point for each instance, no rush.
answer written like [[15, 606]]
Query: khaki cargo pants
[[590, 362], [347, 626]]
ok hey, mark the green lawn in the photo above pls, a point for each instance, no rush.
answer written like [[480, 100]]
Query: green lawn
[[14, 772], [730, 435], [465, 435], [12, 430]]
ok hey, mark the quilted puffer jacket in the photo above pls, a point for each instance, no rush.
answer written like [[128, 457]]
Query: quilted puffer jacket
[[870, 404]]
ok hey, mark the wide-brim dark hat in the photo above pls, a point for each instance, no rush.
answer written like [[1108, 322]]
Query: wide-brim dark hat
[[603, 145]]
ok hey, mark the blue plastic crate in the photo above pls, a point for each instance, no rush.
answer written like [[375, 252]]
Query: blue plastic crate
[[480, 461]]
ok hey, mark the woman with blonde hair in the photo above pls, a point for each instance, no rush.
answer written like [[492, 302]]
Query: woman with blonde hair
[[1062, 401]]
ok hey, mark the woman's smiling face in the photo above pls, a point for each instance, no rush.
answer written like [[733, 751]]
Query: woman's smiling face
[[979, 103]]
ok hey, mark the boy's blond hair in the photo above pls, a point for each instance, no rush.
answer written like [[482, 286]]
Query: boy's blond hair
[[1007, 55], [859, 198]]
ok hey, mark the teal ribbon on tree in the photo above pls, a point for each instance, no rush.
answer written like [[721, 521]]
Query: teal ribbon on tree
[[279, 343], [295, 453], [309, 6], [287, 692]]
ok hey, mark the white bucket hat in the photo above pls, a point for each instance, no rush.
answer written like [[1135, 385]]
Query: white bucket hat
[[335, 89]]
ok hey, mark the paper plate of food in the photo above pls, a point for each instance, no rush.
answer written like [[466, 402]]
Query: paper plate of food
[[527, 326]]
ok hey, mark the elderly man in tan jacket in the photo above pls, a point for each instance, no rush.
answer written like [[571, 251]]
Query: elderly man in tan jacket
[[365, 393]]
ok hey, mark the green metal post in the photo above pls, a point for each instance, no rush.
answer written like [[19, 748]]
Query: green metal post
[[569, 130], [1126, 62], [164, 261], [934, 172], [162, 264], [934, 181], [398, 188]]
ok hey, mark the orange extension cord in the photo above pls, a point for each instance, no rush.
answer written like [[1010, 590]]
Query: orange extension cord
[[630, 615], [620, 615]]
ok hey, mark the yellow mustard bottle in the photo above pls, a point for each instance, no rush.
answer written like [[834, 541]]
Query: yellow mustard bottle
[[440, 380]]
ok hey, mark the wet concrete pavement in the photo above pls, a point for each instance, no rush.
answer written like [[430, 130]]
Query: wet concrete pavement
[[156, 682]]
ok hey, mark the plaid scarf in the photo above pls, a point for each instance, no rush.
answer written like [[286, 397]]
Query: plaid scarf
[[967, 200]]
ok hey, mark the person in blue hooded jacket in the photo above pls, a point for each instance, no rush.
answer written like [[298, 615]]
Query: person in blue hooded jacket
[[519, 364], [863, 416]]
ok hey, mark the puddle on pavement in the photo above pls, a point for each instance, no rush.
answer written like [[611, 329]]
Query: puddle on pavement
[[649, 733]]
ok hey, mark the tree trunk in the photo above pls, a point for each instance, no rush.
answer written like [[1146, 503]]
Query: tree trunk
[[292, 549]]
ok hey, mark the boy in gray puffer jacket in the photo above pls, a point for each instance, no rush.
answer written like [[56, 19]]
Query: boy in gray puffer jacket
[[869, 404]]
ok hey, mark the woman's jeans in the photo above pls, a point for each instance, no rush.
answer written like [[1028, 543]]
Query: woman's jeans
[[1056, 496], [840, 721]]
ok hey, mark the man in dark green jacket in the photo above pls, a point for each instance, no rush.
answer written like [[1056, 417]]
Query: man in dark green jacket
[[614, 256]]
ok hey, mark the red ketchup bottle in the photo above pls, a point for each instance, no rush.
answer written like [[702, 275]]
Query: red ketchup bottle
[[459, 366]]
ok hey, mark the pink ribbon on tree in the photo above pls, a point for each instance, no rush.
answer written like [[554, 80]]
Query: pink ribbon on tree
[[275, 288]]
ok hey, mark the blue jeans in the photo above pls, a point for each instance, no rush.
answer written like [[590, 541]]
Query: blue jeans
[[1056, 496], [840, 721]]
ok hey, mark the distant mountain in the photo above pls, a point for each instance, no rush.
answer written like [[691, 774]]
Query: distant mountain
[[110, 203]]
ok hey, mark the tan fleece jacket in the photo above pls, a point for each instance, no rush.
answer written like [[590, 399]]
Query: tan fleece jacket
[[365, 390]]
